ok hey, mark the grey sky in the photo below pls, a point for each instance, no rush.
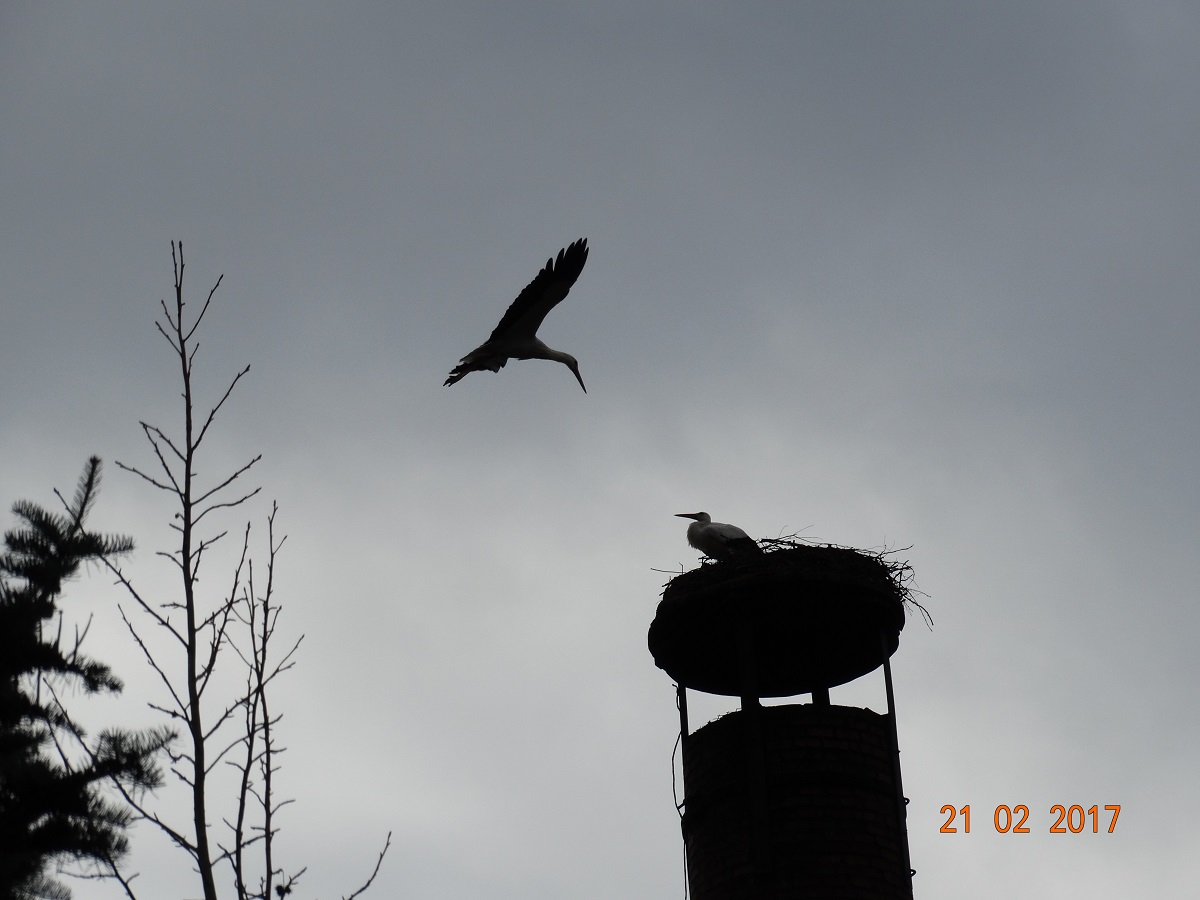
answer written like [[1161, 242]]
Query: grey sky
[[884, 274]]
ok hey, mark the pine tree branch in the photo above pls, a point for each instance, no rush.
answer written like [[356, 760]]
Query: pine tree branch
[[85, 494]]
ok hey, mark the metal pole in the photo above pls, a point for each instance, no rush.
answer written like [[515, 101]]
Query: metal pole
[[901, 809], [681, 702]]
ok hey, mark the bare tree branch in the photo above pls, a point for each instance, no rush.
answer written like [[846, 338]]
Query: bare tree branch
[[213, 412], [140, 474], [374, 871], [237, 731]]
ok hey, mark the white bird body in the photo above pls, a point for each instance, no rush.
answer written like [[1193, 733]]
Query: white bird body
[[516, 335], [716, 539]]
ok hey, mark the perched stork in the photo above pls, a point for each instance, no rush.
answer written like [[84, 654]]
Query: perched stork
[[516, 335], [716, 539]]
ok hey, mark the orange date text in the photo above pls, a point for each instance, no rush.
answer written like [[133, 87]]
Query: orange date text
[[1006, 819]]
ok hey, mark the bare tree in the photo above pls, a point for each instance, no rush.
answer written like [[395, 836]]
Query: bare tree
[[203, 635]]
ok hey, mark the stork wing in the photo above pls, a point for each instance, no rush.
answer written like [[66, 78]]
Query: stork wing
[[524, 316]]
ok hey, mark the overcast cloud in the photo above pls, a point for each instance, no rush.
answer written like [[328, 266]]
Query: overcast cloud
[[888, 275]]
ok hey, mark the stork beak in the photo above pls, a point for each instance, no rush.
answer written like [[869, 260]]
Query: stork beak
[[688, 515], [579, 378]]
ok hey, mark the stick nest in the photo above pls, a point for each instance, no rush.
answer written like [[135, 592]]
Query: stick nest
[[787, 558]]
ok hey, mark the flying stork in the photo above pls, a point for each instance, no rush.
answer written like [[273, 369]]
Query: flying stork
[[716, 539], [516, 335]]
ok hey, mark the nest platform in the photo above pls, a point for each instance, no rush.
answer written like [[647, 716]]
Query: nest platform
[[796, 619]]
